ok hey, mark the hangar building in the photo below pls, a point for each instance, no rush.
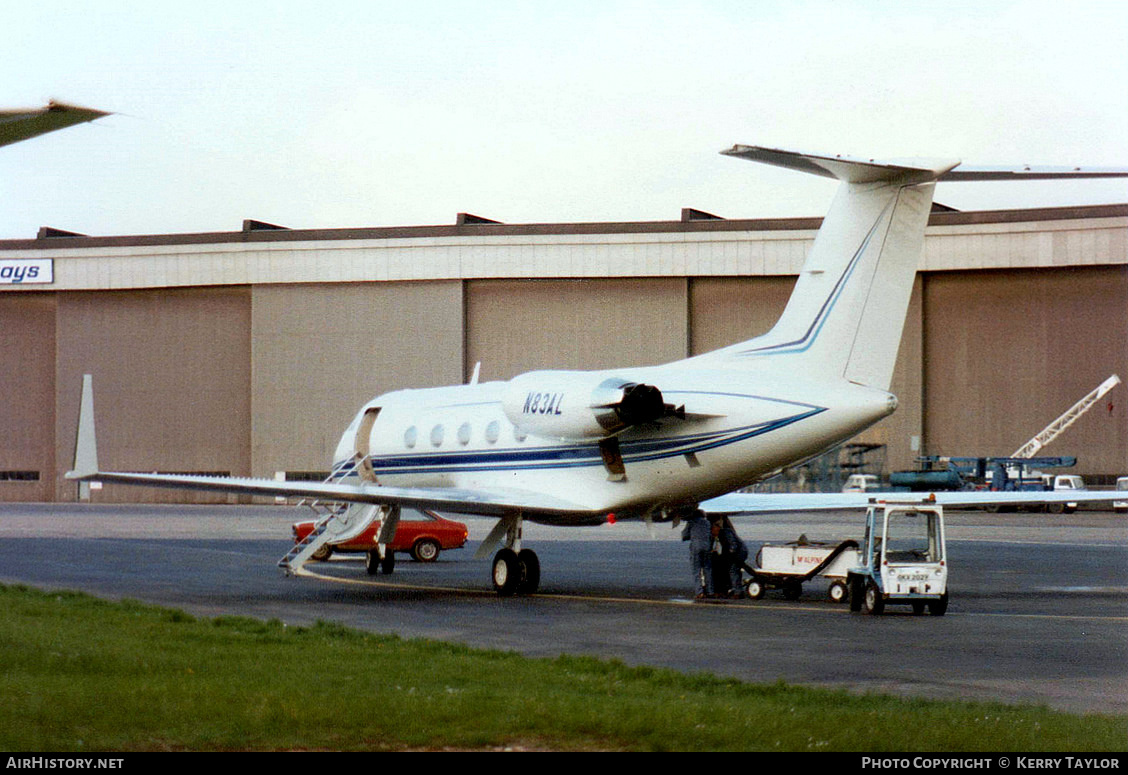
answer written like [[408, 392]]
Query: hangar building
[[248, 352]]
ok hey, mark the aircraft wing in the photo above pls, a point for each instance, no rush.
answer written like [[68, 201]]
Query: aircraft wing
[[17, 125], [736, 504], [448, 499]]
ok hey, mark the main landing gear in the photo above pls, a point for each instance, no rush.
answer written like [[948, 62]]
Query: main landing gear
[[516, 571]]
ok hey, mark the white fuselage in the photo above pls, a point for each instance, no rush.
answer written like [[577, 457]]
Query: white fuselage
[[739, 427]]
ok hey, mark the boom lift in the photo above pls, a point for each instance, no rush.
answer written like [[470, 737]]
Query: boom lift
[[1051, 431]]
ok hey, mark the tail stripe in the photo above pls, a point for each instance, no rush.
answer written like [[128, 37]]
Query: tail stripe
[[804, 343]]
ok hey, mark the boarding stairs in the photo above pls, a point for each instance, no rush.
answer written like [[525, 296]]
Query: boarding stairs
[[342, 522], [338, 523]]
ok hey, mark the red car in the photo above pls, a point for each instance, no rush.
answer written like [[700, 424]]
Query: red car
[[421, 533]]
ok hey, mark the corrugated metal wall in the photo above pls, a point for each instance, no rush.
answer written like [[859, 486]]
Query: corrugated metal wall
[[513, 326], [320, 351], [171, 383], [1007, 352], [27, 390]]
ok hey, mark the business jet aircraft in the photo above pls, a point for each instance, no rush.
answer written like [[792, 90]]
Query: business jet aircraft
[[573, 447]]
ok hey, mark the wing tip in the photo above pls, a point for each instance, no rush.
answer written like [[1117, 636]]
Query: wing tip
[[86, 443]]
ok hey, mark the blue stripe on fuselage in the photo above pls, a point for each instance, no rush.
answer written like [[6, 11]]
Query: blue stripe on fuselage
[[572, 455]]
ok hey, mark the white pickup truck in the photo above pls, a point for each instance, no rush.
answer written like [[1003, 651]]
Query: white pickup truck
[[861, 483], [1067, 482]]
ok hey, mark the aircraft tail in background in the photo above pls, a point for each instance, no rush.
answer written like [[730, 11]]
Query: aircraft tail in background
[[845, 316]]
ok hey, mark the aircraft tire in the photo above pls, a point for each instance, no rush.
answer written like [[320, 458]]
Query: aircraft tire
[[529, 565], [374, 565], [506, 572]]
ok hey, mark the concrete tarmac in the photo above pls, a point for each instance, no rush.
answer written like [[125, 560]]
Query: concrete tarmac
[[1038, 614]]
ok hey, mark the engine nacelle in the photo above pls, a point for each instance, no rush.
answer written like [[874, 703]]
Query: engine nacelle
[[579, 404]]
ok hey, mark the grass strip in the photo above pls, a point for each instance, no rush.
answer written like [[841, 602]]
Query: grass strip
[[80, 673]]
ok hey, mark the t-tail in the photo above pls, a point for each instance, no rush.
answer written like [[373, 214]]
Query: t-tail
[[846, 313]]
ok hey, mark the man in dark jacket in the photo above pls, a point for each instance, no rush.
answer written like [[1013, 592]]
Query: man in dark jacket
[[698, 531], [735, 553]]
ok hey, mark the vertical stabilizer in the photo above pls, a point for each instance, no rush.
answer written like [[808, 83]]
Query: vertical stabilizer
[[845, 316], [872, 350]]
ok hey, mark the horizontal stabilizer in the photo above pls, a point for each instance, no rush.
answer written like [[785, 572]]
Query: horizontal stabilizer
[[1024, 172], [855, 170], [846, 168]]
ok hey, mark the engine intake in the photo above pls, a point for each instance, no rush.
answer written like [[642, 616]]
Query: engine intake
[[637, 404]]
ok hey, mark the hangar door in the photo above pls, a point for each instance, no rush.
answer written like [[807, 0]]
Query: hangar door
[[27, 384], [514, 326]]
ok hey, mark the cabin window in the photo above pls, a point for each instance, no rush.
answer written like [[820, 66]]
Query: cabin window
[[493, 430], [464, 434], [409, 437], [437, 436]]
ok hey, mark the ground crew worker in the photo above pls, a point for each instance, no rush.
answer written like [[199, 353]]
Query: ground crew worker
[[736, 553], [698, 531]]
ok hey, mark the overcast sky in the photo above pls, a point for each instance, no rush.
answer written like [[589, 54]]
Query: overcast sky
[[334, 113]]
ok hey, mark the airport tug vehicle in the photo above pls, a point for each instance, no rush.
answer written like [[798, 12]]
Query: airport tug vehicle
[[902, 559]]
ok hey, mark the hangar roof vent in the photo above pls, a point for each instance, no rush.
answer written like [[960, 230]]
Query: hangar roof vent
[[689, 214], [252, 225], [49, 232], [465, 219]]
